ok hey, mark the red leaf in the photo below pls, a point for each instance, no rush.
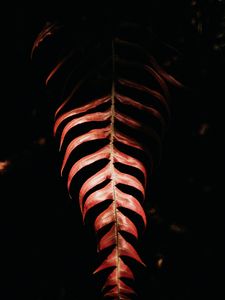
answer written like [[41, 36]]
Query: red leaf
[[128, 138]]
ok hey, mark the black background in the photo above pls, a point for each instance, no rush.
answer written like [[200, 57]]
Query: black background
[[47, 253]]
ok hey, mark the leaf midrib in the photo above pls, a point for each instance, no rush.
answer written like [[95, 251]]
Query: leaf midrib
[[112, 168]]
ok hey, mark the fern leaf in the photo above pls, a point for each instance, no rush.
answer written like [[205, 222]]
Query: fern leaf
[[118, 114]]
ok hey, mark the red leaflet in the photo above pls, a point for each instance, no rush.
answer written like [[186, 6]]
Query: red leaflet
[[138, 126], [87, 160], [94, 180], [130, 202], [129, 141], [108, 216], [99, 116], [95, 134], [123, 249], [79, 110], [143, 88], [96, 198], [138, 105], [48, 30]]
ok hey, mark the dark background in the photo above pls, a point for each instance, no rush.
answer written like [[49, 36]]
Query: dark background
[[47, 253]]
